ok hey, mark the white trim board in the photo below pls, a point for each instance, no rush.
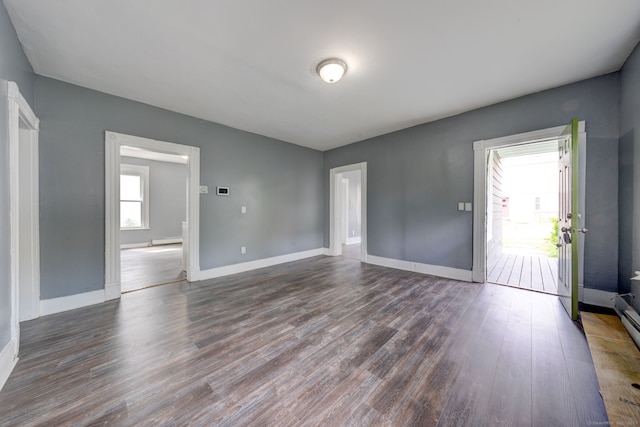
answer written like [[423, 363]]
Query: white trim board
[[596, 297], [166, 241], [23, 212], [259, 263], [134, 245], [434, 270], [8, 360], [353, 240]]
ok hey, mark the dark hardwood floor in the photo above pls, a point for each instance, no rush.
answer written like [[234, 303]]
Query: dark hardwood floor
[[318, 342]]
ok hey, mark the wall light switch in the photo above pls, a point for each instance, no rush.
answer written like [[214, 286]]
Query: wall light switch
[[460, 206], [243, 250], [204, 189], [467, 207], [243, 209]]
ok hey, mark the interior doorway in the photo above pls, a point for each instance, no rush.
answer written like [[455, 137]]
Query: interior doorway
[[348, 211], [153, 208], [190, 156], [522, 216], [351, 214]]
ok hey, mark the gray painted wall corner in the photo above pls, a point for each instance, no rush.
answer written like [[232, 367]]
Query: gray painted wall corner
[[629, 177]]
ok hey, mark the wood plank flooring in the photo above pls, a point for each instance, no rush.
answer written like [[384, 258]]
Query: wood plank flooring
[[526, 271], [617, 362], [351, 251], [150, 266], [325, 341]]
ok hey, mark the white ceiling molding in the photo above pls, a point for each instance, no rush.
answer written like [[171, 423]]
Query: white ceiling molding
[[252, 64]]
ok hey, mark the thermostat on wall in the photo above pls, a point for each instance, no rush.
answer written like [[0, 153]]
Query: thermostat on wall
[[222, 191]]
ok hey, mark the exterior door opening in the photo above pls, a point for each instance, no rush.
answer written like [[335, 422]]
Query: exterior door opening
[[522, 216], [571, 173]]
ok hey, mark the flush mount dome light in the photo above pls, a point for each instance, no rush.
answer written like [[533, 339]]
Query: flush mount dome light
[[331, 70]]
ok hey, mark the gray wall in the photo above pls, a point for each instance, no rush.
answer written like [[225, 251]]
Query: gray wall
[[416, 177], [280, 184], [13, 67], [167, 201], [629, 181]]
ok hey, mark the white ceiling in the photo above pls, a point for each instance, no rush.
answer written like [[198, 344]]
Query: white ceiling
[[250, 64]]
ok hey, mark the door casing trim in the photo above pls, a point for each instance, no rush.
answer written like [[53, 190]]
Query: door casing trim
[[19, 109]]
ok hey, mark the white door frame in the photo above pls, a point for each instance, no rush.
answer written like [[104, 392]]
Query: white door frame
[[336, 207], [113, 142], [25, 294], [345, 222], [480, 158]]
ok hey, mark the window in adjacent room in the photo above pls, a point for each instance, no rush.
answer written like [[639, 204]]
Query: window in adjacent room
[[134, 197]]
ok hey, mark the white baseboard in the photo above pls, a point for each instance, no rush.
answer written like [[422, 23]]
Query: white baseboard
[[596, 297], [167, 241], [71, 302], [8, 360], [353, 240], [435, 270], [326, 251], [134, 245], [253, 265]]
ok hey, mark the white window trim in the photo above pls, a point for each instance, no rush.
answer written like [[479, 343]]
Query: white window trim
[[143, 173]]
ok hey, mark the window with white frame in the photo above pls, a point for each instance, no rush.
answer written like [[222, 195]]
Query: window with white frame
[[134, 197]]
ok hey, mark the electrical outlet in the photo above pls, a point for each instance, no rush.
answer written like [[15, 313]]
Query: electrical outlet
[[243, 250]]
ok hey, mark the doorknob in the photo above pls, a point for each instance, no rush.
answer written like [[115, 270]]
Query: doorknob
[[582, 230], [559, 245], [565, 229]]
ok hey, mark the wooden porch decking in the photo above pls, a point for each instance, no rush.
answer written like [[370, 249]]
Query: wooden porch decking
[[526, 271]]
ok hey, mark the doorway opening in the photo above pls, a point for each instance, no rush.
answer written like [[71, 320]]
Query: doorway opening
[[351, 214], [522, 216], [151, 265], [573, 135], [348, 211], [153, 208]]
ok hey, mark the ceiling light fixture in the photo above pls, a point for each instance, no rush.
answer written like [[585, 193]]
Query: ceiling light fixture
[[331, 70]]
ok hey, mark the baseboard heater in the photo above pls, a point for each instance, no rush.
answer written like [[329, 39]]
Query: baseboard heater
[[166, 241], [629, 317]]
